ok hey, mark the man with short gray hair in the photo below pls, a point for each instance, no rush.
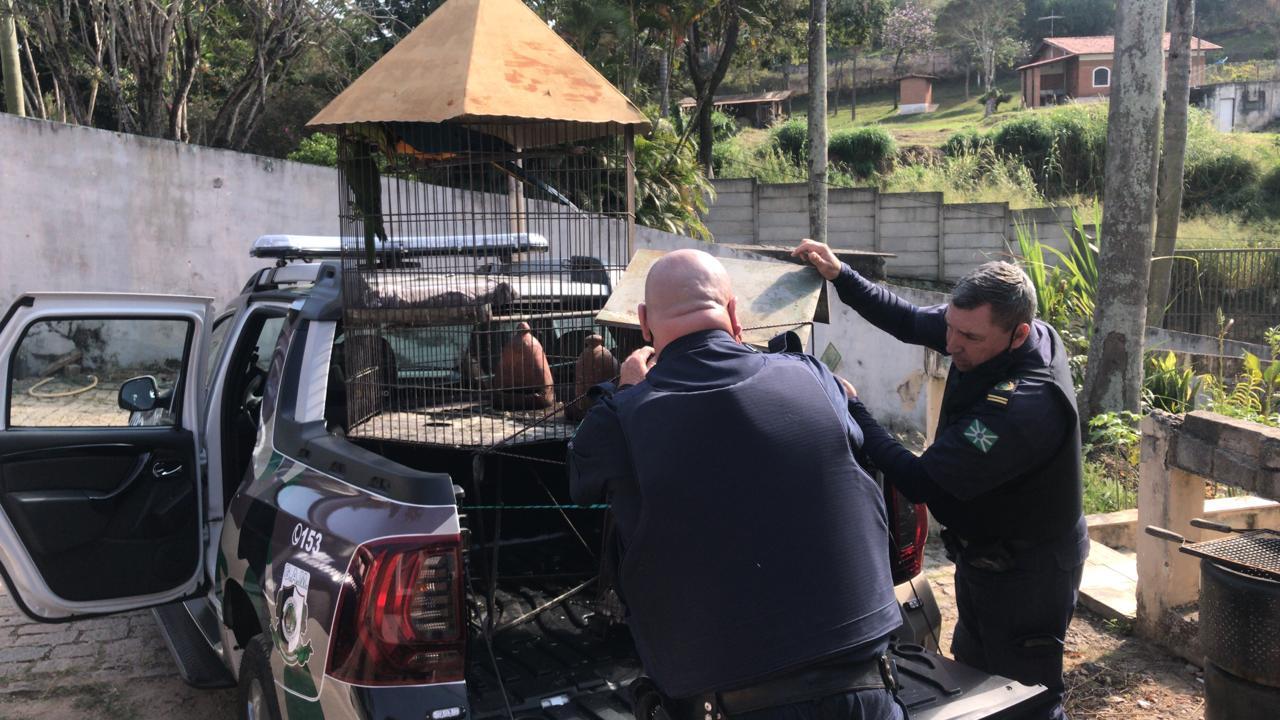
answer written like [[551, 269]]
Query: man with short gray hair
[[1003, 474]]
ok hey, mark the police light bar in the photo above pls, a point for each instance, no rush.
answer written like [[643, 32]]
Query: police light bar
[[330, 246]]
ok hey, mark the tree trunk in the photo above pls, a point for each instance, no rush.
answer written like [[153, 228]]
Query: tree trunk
[[968, 70], [1113, 379], [10, 62], [834, 108], [897, 61], [989, 81], [853, 85], [1169, 195], [664, 79], [37, 95], [818, 120], [705, 86]]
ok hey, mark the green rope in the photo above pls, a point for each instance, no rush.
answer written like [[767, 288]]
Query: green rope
[[594, 506]]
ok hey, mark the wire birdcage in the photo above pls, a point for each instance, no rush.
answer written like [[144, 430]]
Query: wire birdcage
[[475, 257]]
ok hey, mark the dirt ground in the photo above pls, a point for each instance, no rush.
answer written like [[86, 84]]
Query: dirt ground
[[128, 673], [1110, 674]]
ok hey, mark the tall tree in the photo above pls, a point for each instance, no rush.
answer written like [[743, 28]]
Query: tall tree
[[818, 120], [909, 29], [989, 30], [851, 26], [712, 42], [1113, 379], [1177, 97], [9, 61]]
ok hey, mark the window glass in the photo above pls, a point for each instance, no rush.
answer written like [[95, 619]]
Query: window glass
[[1101, 77], [69, 372]]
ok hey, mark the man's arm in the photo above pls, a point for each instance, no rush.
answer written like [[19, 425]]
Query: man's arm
[[598, 455], [981, 450], [899, 318]]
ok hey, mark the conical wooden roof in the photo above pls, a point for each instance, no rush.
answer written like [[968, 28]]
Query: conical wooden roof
[[477, 62]]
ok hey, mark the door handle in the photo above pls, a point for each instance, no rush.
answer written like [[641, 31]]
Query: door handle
[[163, 469]]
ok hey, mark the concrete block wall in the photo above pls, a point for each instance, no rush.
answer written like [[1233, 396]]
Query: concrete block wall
[[928, 238]]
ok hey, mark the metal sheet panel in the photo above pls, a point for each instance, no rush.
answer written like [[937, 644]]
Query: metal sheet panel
[[773, 297]]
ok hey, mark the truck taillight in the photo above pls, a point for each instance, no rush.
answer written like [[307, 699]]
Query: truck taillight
[[908, 530], [399, 619]]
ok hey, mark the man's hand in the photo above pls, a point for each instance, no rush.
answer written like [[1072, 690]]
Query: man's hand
[[820, 256], [849, 391], [636, 366]]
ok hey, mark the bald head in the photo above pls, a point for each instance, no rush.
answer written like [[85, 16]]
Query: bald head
[[687, 291]]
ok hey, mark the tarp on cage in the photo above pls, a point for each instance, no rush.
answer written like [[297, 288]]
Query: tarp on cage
[[493, 63]]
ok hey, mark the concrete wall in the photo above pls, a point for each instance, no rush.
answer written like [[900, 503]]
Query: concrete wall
[[914, 227], [1242, 107], [86, 209]]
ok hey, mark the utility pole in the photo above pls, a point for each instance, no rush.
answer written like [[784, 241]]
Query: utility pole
[[13, 99], [1177, 97], [1113, 378], [818, 120]]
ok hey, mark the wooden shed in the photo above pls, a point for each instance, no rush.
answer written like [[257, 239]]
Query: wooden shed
[[760, 109]]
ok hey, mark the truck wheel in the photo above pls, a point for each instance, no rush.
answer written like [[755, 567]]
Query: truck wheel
[[257, 687]]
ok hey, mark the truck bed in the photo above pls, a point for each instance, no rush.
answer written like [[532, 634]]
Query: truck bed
[[557, 665]]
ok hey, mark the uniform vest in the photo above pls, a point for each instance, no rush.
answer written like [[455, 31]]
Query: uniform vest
[[1039, 506], [761, 544]]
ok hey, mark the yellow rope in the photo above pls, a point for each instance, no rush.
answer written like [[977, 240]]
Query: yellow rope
[[93, 383]]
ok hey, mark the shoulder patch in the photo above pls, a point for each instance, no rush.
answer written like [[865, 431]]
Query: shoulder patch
[[1007, 386], [980, 435]]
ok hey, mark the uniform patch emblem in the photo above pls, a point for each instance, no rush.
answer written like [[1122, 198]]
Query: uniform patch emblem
[[980, 435], [289, 626], [1006, 386]]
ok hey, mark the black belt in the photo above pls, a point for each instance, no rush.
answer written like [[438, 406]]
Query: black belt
[[877, 673]]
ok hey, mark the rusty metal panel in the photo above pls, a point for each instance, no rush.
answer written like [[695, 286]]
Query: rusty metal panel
[[773, 297]]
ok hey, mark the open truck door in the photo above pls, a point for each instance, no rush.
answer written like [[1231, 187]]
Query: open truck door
[[101, 488]]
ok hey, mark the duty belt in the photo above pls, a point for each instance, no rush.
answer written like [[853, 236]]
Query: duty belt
[[877, 673]]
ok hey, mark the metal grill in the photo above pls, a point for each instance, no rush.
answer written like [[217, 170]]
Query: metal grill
[[475, 257], [1242, 285], [1255, 553]]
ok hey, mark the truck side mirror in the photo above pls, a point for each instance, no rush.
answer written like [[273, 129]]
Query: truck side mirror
[[138, 394]]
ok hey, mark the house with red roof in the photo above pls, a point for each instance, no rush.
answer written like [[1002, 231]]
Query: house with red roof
[[1080, 68]]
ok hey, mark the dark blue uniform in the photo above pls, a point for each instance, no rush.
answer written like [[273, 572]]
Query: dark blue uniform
[[752, 543], [1003, 476]]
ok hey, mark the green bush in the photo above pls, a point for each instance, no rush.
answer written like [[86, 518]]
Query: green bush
[[1269, 193], [1029, 138], [863, 151], [1223, 181], [1064, 149], [1078, 159], [317, 149], [671, 190], [723, 126], [791, 138], [966, 141]]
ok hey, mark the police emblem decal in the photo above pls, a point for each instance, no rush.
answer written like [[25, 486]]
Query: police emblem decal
[[289, 625], [980, 435]]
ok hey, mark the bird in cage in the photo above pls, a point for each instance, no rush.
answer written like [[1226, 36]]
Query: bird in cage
[[523, 380], [362, 176], [594, 366]]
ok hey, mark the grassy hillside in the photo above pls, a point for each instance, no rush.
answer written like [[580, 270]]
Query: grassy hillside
[[954, 112]]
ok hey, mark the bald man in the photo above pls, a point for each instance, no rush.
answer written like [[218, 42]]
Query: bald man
[[753, 562]]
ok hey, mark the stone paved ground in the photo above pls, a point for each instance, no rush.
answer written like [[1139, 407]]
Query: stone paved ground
[[113, 667], [94, 408]]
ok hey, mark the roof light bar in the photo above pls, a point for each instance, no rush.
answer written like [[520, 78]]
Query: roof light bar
[[330, 246]]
